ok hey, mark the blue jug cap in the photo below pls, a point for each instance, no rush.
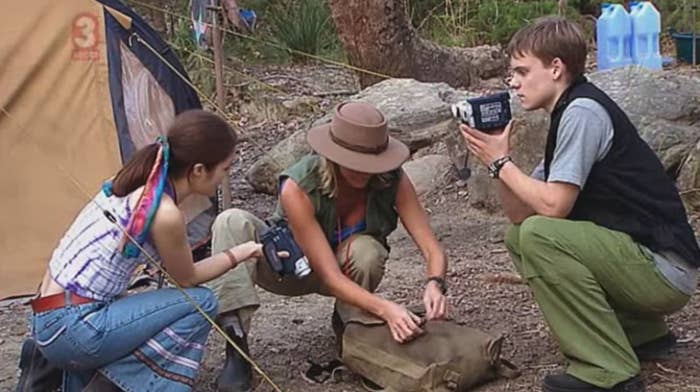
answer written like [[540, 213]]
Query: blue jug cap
[[604, 5]]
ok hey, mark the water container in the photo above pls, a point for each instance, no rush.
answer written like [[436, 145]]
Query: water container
[[616, 36], [600, 34], [646, 26]]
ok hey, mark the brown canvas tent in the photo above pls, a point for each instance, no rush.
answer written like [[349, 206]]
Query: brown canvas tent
[[79, 93]]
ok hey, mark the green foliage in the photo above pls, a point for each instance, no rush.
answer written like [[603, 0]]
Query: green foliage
[[200, 71], [304, 26], [496, 21], [587, 7], [475, 22], [677, 14]]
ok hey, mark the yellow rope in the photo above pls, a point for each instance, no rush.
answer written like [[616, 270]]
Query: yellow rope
[[274, 45], [230, 69]]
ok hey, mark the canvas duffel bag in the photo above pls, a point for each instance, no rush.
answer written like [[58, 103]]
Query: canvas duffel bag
[[447, 357]]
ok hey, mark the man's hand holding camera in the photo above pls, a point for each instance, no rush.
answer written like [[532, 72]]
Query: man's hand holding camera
[[487, 147]]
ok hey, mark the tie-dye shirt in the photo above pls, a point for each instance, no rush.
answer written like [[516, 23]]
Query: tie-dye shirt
[[88, 260]]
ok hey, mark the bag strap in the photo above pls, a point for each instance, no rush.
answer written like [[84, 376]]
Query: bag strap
[[507, 369]]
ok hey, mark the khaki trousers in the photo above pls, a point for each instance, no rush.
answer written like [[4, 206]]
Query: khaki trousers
[[361, 257], [599, 291]]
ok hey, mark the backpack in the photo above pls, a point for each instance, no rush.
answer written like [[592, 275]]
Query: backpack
[[447, 357]]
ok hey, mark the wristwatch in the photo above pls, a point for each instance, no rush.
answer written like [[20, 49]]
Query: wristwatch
[[440, 282], [495, 167]]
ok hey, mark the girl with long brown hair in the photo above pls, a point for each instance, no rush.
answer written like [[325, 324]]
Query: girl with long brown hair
[[151, 341]]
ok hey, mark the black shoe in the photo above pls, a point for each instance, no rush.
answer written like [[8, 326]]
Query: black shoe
[[236, 374], [659, 348], [37, 374], [100, 383], [568, 383]]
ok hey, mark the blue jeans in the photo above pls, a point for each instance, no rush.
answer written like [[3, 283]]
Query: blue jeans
[[151, 341]]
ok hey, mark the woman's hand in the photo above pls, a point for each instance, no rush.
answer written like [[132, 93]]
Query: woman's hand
[[404, 325], [435, 302], [252, 249]]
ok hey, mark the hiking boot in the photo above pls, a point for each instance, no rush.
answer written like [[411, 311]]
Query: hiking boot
[[236, 374], [659, 348], [100, 383], [568, 383], [37, 374]]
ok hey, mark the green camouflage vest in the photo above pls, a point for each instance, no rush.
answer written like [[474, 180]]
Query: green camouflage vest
[[380, 217]]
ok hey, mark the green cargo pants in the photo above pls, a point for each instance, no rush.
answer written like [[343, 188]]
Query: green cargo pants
[[363, 262], [600, 293]]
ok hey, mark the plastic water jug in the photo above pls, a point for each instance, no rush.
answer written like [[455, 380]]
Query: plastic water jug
[[616, 29], [601, 32], [646, 26]]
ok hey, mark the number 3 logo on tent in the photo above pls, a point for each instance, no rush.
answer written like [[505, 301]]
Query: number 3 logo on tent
[[85, 37]]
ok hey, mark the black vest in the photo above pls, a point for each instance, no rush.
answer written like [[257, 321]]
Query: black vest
[[629, 190]]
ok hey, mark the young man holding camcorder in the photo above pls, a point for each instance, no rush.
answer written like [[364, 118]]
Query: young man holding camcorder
[[600, 233]]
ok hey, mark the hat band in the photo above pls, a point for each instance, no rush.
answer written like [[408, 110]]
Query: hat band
[[358, 148]]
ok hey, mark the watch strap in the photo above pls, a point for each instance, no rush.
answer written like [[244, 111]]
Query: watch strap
[[495, 167], [440, 282]]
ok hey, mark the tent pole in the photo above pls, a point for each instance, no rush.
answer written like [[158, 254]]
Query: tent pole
[[694, 24], [217, 45]]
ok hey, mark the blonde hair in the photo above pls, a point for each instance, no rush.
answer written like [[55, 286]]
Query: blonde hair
[[328, 171]]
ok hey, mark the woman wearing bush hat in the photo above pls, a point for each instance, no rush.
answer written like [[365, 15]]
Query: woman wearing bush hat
[[341, 204]]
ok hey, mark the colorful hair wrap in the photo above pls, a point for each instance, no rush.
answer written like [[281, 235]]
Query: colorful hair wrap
[[147, 205]]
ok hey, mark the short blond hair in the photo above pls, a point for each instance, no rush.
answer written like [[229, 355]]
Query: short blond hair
[[552, 37]]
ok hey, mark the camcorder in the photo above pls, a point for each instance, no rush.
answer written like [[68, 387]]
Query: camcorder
[[278, 238], [488, 113]]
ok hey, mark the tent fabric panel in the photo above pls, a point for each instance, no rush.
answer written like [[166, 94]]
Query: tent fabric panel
[[124, 20], [58, 140], [113, 48], [183, 96], [149, 109]]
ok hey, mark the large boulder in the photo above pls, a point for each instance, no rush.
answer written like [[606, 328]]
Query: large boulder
[[418, 114], [689, 179], [664, 106], [428, 172]]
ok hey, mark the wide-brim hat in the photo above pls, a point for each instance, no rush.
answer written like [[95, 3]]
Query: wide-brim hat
[[358, 138]]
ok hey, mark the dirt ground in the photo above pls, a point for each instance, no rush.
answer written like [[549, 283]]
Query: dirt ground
[[289, 331]]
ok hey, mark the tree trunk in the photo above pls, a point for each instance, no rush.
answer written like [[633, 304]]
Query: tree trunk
[[378, 36]]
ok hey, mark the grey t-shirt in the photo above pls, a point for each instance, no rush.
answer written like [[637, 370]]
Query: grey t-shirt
[[584, 137]]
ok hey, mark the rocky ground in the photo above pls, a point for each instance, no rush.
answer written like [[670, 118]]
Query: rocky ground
[[289, 331]]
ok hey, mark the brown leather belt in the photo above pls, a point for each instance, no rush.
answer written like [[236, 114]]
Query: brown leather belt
[[56, 301]]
